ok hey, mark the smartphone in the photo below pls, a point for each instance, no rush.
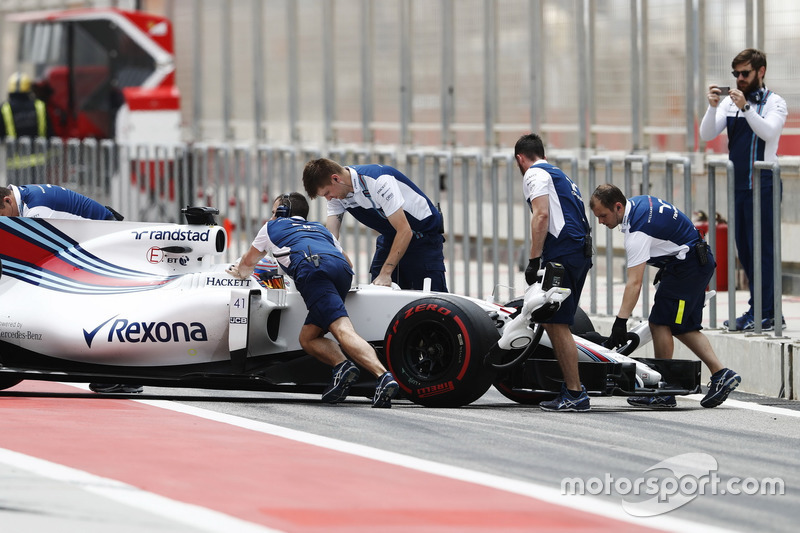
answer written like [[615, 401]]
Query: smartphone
[[724, 91]]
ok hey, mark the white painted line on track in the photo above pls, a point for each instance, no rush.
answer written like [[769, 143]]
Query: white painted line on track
[[750, 406], [588, 504], [192, 515]]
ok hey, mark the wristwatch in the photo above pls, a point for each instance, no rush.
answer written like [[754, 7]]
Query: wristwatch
[[746, 108]]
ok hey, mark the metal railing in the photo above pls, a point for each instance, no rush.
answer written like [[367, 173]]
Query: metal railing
[[487, 225]]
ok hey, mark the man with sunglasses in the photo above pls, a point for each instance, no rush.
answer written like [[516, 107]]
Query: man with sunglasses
[[754, 117]]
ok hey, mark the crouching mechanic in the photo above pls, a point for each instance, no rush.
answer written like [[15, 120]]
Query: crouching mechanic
[[314, 259], [657, 233]]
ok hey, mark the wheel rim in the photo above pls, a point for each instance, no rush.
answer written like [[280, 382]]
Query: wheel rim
[[429, 351]]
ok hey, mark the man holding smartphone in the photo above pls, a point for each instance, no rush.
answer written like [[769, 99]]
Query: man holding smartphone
[[754, 117]]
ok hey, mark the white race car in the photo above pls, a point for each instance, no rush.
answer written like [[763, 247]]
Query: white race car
[[135, 302]]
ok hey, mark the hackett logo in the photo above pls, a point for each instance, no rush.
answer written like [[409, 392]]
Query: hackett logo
[[227, 282], [176, 235], [123, 330]]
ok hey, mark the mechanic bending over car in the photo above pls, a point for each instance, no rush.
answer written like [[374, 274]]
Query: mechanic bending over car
[[323, 274], [657, 233], [560, 233], [52, 201], [410, 246]]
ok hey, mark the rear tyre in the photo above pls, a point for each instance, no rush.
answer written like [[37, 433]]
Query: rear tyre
[[435, 348], [583, 324], [505, 382]]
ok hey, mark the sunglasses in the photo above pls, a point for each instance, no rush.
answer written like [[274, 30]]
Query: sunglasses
[[742, 73]]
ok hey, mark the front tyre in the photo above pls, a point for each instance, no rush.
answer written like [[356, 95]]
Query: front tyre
[[435, 349]]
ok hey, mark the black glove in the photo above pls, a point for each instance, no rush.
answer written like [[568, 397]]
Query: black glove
[[619, 332], [532, 271], [657, 279]]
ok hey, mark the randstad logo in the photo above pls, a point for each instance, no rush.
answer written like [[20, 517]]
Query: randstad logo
[[671, 484], [122, 330]]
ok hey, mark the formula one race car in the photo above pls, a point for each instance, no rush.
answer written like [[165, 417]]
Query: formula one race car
[[134, 302]]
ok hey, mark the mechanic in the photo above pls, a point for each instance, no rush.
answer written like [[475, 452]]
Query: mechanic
[[754, 117], [52, 201], [410, 246], [657, 233], [323, 274], [560, 233]]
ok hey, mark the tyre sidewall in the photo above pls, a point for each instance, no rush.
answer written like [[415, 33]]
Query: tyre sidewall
[[470, 332]]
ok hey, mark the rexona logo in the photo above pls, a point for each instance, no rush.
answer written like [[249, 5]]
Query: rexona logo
[[122, 330]]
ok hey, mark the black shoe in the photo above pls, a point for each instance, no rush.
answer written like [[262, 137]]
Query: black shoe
[[565, 401], [721, 385], [344, 375], [385, 390], [119, 388], [653, 402]]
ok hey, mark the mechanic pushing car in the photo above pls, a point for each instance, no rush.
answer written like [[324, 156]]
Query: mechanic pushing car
[[658, 234], [323, 274]]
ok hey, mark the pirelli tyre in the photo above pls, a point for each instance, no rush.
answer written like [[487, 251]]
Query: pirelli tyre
[[505, 382], [435, 348]]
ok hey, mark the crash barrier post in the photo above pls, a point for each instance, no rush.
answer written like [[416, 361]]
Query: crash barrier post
[[434, 173], [712, 236], [73, 161], [777, 271], [108, 167], [686, 163], [594, 162], [90, 172], [241, 196], [506, 160], [465, 160], [645, 190]]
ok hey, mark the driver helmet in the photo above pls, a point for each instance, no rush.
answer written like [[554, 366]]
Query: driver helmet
[[266, 271]]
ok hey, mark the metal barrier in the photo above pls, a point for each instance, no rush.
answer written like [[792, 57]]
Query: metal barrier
[[593, 163], [777, 271], [686, 163], [474, 192], [712, 236]]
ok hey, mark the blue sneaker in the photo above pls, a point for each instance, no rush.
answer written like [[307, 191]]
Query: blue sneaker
[[653, 402], [385, 390], [721, 385], [565, 401], [344, 375], [768, 324], [746, 322]]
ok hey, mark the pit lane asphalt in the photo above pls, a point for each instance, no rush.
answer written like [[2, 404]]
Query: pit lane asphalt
[[499, 437]]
